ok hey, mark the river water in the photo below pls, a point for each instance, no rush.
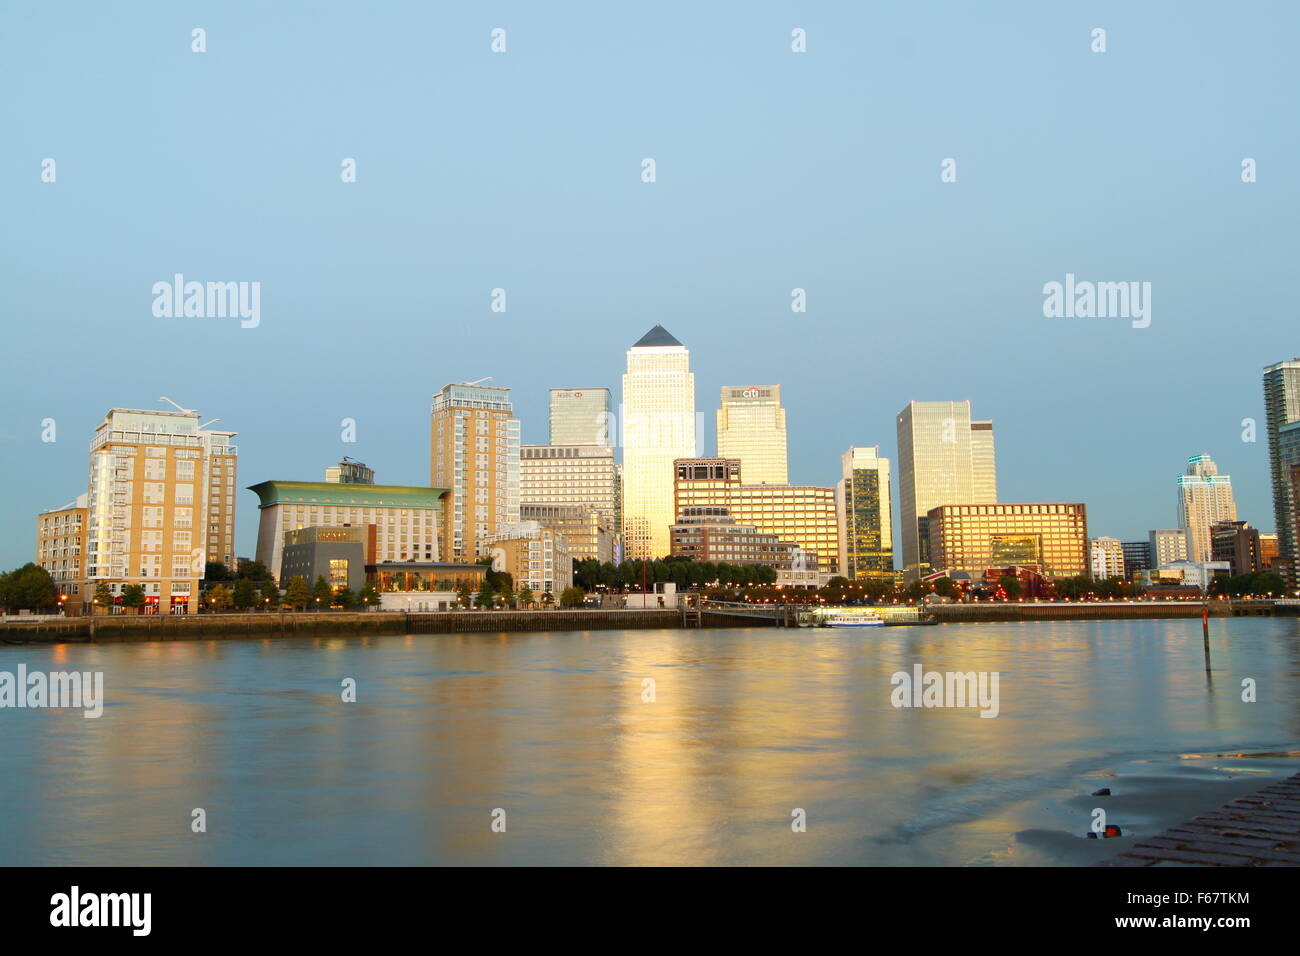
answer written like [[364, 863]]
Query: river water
[[554, 736]]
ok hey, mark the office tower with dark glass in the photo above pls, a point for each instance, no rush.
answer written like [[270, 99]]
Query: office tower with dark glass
[[864, 516], [944, 458], [1282, 411]]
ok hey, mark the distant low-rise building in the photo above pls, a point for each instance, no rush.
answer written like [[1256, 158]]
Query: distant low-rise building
[[804, 514], [1106, 557], [1238, 544], [1268, 549], [350, 472], [1137, 556], [1193, 574], [61, 549], [587, 531], [709, 533], [533, 556], [1051, 537], [420, 586], [339, 555], [1167, 545], [407, 519]]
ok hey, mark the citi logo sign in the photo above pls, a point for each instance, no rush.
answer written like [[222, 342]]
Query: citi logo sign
[[751, 392]]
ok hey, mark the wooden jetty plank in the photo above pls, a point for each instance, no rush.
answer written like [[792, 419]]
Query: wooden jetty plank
[[1258, 829]]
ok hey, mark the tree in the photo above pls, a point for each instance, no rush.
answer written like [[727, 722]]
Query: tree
[[321, 594], [270, 593], [218, 597], [572, 597], [548, 597], [252, 570], [244, 594], [1012, 586], [216, 571], [485, 593], [1267, 582], [29, 588], [133, 596], [369, 596], [464, 594], [525, 595], [297, 594], [103, 596], [345, 597], [945, 587]]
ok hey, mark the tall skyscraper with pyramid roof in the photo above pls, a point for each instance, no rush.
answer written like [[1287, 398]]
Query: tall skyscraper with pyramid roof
[[657, 422]]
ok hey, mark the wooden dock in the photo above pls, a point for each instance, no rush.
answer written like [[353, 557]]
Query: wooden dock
[[1259, 829]]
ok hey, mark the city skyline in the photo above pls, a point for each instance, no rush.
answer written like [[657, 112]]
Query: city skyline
[[772, 175], [245, 543]]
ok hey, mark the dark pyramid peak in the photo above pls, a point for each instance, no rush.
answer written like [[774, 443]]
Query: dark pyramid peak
[[658, 336]]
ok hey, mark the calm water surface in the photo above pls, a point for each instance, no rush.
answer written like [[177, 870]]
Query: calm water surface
[[747, 725]]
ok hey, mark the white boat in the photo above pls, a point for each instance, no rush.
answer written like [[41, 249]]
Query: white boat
[[854, 619]]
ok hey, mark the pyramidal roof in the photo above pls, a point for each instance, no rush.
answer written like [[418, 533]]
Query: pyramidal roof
[[658, 336]]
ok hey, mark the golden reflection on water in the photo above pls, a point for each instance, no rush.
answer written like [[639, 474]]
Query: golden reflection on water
[[745, 727]]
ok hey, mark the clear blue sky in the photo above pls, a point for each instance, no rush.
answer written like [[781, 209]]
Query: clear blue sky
[[775, 170]]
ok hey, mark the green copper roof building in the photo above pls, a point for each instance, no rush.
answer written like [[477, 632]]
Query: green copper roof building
[[403, 522]]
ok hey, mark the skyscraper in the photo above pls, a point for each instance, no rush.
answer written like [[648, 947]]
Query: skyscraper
[[944, 458], [751, 427], [1204, 500], [658, 426], [581, 416], [475, 454], [864, 516], [1282, 409]]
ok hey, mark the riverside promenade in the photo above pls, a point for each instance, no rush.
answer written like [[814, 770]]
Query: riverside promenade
[[15, 629], [1259, 829], [272, 624]]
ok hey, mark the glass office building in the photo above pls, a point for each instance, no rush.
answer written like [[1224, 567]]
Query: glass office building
[[802, 514], [581, 416], [1051, 536], [1282, 409], [751, 427], [943, 458], [658, 427], [864, 516]]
